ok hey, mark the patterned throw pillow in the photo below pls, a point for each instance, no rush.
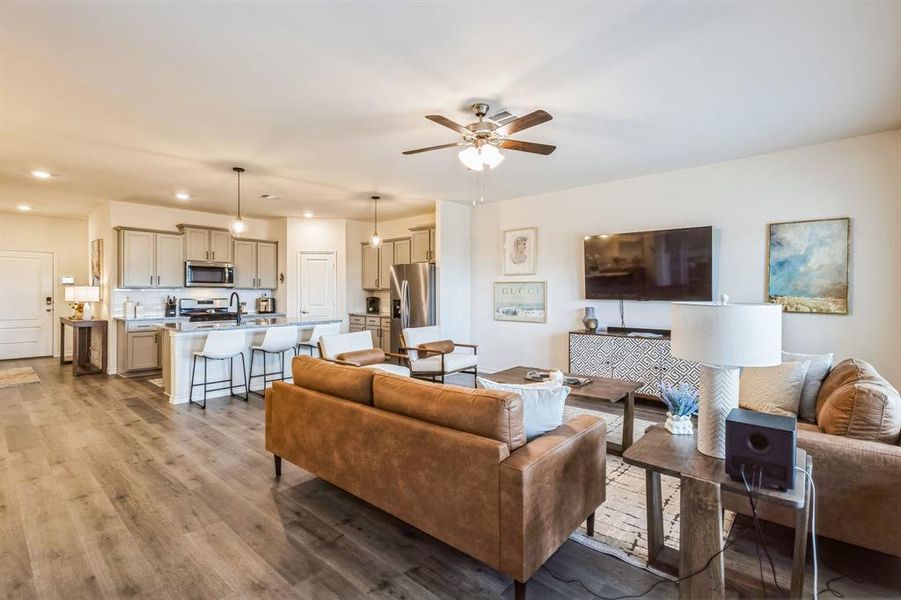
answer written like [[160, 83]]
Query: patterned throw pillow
[[775, 390]]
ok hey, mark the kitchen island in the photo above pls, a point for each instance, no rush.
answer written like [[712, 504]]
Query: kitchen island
[[181, 339]]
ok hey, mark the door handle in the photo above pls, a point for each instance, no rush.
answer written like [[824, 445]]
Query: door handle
[[214, 255]]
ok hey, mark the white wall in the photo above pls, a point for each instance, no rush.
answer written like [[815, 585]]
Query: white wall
[[453, 251], [359, 232], [316, 235], [858, 178], [66, 239]]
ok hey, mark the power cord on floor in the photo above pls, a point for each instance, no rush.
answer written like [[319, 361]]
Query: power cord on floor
[[813, 531], [758, 475]]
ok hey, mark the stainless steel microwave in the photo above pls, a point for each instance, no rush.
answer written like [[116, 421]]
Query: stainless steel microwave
[[209, 274]]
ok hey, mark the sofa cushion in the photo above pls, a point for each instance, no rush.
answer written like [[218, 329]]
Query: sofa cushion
[[494, 415], [820, 365], [349, 383], [775, 390], [370, 356], [866, 409], [542, 404], [443, 346], [390, 368], [847, 371]]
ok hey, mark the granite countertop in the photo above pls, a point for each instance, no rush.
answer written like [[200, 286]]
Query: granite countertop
[[164, 318], [365, 314], [247, 322]]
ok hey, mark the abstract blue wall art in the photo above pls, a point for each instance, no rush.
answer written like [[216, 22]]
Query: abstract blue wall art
[[807, 266]]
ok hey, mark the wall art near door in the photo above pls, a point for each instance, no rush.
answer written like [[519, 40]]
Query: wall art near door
[[97, 264], [523, 301], [521, 251], [807, 265]]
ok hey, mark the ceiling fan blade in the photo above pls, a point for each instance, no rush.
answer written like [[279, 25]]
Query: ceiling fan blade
[[418, 150], [530, 120], [527, 147], [449, 124]]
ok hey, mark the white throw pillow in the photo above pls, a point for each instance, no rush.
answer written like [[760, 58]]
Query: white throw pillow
[[542, 404], [820, 365], [775, 390]]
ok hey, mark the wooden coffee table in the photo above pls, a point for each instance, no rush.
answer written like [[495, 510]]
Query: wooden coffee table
[[705, 491], [599, 390]]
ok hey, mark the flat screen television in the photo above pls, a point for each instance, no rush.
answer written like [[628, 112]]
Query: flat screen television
[[669, 264]]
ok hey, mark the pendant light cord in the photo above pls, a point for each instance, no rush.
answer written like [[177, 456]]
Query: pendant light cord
[[375, 228]]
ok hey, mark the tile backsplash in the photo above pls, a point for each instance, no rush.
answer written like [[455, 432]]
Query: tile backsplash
[[153, 301]]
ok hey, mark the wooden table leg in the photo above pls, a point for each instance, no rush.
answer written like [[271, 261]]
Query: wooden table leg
[[62, 343], [802, 527], [76, 347], [654, 504], [700, 538], [629, 421]]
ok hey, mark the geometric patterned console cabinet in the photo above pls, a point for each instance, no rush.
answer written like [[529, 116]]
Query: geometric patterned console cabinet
[[622, 356]]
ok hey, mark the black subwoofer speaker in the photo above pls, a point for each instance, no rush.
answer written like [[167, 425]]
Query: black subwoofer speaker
[[762, 446]]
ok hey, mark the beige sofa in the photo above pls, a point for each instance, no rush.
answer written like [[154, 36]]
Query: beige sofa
[[451, 461], [856, 459]]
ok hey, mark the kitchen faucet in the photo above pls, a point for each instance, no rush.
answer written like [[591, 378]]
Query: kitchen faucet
[[237, 300]]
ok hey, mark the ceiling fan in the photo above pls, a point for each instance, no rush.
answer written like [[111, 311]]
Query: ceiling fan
[[483, 138]]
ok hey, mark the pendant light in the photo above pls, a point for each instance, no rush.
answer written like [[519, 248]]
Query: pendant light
[[375, 240], [238, 226]]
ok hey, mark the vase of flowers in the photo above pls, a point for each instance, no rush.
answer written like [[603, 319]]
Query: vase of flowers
[[682, 404]]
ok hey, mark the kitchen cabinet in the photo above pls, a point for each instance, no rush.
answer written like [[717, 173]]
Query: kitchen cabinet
[[357, 324], [385, 332], [256, 264], [378, 327], [402, 248], [207, 244], [422, 242], [139, 347], [386, 259], [370, 267], [150, 259]]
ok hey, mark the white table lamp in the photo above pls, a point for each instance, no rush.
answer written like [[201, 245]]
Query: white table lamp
[[724, 337], [78, 295]]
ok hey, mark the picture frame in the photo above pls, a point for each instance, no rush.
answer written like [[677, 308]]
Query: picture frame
[[521, 251], [808, 266], [520, 301], [97, 264]]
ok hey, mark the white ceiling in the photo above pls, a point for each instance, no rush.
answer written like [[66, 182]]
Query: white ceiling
[[134, 101]]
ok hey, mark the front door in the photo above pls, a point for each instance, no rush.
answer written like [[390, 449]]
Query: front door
[[316, 279], [26, 304]]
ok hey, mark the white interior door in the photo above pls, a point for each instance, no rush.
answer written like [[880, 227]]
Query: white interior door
[[316, 281], [26, 304]]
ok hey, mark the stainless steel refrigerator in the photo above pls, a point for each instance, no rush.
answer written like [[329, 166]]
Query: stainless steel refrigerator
[[412, 298]]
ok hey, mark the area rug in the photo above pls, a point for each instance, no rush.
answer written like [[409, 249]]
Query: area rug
[[620, 527], [18, 376]]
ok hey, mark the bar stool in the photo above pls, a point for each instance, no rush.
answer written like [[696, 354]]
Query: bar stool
[[318, 331], [277, 340], [220, 345]]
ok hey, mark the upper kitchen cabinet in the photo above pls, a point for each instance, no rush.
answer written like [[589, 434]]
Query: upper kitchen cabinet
[[422, 244], [207, 244], [150, 258], [377, 262], [370, 267], [402, 251], [256, 264], [386, 259]]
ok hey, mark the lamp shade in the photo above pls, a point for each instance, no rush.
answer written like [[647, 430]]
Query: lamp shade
[[733, 335], [82, 293]]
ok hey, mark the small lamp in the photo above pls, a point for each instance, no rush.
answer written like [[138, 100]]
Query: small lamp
[[724, 337], [78, 295]]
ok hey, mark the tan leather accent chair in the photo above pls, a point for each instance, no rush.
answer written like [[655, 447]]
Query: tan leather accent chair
[[451, 461]]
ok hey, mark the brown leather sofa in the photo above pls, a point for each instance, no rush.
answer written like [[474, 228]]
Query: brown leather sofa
[[856, 459], [451, 461]]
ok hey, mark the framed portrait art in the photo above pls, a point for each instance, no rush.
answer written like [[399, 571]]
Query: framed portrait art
[[521, 251], [808, 266]]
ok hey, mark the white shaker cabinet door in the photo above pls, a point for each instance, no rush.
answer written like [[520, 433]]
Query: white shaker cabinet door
[[170, 260], [245, 262], [137, 259]]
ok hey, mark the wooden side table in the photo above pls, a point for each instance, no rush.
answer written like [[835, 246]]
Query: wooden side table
[[82, 331], [705, 491]]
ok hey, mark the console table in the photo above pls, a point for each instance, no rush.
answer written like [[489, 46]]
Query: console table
[[616, 354], [81, 345], [705, 490]]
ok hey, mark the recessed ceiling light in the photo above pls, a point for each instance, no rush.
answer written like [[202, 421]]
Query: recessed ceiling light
[[308, 214], [40, 174], [24, 207], [182, 195], [268, 196]]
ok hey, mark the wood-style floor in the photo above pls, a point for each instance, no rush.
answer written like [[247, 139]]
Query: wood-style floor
[[106, 490]]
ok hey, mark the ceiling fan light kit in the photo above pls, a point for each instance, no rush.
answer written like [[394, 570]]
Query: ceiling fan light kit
[[484, 137]]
